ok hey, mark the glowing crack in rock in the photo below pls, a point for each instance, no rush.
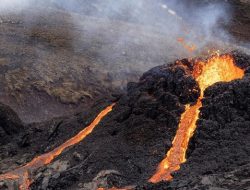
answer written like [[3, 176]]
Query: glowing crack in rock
[[22, 174], [216, 69]]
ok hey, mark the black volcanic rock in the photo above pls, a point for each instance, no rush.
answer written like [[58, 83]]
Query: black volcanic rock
[[219, 152], [129, 143], [242, 60], [222, 141], [10, 124], [132, 140], [134, 137], [233, 180]]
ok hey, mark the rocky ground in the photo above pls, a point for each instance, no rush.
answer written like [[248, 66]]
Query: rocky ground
[[218, 155], [129, 143], [47, 65]]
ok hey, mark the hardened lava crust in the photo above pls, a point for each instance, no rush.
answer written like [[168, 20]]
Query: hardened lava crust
[[129, 143]]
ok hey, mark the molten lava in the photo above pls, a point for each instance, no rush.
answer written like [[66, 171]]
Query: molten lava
[[216, 69], [189, 47], [22, 174]]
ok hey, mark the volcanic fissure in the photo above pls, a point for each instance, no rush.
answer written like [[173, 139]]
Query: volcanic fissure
[[216, 69]]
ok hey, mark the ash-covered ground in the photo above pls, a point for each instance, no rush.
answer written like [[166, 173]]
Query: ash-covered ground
[[129, 143]]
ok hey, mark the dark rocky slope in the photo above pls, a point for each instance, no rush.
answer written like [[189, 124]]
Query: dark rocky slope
[[219, 153], [129, 143], [133, 138], [10, 124]]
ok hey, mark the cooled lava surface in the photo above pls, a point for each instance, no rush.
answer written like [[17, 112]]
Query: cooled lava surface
[[126, 147]]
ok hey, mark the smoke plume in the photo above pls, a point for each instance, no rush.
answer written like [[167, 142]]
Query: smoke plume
[[71, 49], [184, 26]]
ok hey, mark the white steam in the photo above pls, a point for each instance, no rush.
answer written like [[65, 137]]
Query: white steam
[[62, 40], [7, 6], [128, 26]]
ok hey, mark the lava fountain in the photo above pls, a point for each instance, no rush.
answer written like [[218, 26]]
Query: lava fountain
[[219, 68], [22, 174]]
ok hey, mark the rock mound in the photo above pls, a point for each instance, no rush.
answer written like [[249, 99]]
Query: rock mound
[[10, 124]]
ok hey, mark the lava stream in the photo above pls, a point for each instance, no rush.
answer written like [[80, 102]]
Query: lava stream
[[216, 69], [22, 174]]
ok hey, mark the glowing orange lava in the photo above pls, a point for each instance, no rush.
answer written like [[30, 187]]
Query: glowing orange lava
[[189, 47], [22, 174], [216, 69]]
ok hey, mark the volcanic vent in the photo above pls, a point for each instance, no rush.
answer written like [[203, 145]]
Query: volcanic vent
[[158, 115], [216, 69]]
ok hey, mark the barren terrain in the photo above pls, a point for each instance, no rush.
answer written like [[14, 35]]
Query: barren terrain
[[60, 66], [52, 65]]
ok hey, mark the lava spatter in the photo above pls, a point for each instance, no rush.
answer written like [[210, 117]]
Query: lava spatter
[[22, 174], [216, 69]]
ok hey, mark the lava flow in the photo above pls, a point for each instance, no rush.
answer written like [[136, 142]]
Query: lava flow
[[216, 69], [189, 47], [22, 174]]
